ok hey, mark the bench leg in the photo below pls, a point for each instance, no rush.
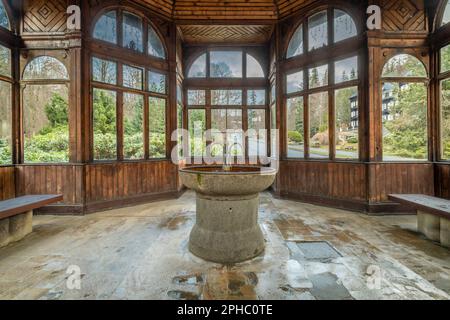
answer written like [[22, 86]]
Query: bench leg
[[20, 226], [4, 232], [445, 232], [429, 225]]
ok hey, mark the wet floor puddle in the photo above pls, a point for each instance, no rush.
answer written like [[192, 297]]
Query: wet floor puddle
[[174, 223], [216, 284]]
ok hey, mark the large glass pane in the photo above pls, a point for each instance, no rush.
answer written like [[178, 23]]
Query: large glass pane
[[197, 127], [45, 68], [226, 64], [104, 71], [347, 123], [318, 76], [46, 123], [132, 77], [256, 97], [295, 128], [5, 61], [157, 82], [445, 59], [132, 32], [157, 127], [318, 31], [104, 125], [254, 69], [133, 126], [404, 65], [227, 130], [198, 68], [404, 115], [296, 45], [226, 97], [155, 46], [4, 21], [445, 119], [346, 70], [5, 123], [106, 27], [318, 126], [344, 26], [294, 82], [196, 97], [257, 133], [446, 17]]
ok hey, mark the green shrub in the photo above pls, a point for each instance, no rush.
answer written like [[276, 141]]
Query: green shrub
[[295, 136], [352, 140]]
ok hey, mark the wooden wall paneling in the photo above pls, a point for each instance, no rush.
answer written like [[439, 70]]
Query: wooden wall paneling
[[128, 180], [67, 180], [442, 180], [332, 180], [7, 183], [388, 178]]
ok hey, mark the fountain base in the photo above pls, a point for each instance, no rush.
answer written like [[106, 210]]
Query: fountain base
[[227, 229]]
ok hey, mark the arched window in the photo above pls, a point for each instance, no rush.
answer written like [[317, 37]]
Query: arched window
[[444, 81], [225, 64], [309, 109], [404, 66], [254, 69], [132, 29], [198, 68], [4, 20], [237, 107], [132, 32], [5, 106], [45, 111], [446, 16], [106, 27], [344, 27], [45, 68], [296, 44], [404, 109], [155, 46]]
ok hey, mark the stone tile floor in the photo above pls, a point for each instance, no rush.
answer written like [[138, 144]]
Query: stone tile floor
[[141, 253]]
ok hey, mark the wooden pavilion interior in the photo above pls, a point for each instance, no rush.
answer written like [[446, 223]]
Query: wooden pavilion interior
[[89, 113]]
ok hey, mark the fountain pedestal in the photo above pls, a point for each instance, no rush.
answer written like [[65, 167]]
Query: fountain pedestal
[[227, 229]]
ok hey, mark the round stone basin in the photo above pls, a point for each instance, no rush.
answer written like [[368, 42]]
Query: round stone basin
[[227, 229], [214, 180]]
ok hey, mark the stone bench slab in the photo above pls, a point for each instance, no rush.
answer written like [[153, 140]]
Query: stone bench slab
[[433, 215], [16, 216]]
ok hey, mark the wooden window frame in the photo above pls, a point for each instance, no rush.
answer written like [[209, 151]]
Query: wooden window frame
[[330, 89], [327, 55], [146, 23], [120, 91], [423, 80], [23, 84]]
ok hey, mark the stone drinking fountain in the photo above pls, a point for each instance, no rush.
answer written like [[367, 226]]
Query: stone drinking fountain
[[227, 229]]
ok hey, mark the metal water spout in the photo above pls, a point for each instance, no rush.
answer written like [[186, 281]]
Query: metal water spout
[[227, 162]]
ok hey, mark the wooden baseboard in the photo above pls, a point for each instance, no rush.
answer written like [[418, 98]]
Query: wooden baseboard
[[79, 209], [376, 209], [61, 210]]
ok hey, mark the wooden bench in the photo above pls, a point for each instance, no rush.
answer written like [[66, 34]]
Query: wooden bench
[[16, 216], [433, 215]]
